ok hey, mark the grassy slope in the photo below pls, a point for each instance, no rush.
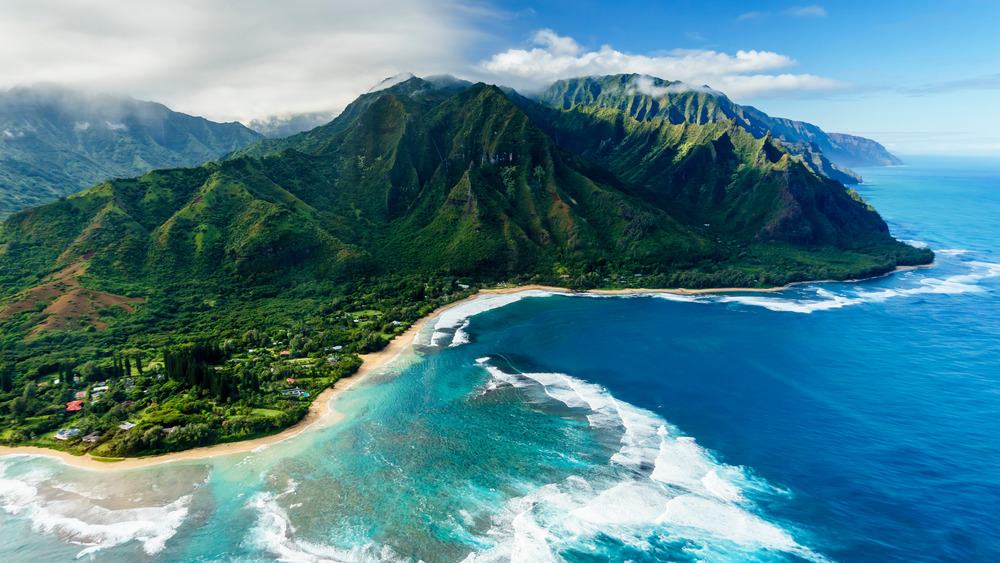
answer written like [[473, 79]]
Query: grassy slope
[[468, 184]]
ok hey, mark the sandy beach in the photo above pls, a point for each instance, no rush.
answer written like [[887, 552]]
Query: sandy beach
[[319, 410]]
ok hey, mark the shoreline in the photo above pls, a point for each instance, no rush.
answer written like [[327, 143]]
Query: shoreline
[[682, 291], [319, 409]]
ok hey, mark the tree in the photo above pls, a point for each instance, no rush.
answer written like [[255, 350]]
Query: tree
[[6, 382], [19, 408], [254, 338], [89, 371], [151, 438]]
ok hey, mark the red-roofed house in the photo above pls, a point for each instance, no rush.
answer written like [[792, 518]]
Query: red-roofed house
[[285, 353], [74, 406], [290, 380]]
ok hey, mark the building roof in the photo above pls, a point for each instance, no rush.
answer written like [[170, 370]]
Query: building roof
[[66, 433], [74, 406]]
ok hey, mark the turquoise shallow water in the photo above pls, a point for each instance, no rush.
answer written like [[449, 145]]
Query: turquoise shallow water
[[843, 421]]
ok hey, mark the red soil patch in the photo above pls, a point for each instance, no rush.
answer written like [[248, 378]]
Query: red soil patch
[[70, 306], [80, 307]]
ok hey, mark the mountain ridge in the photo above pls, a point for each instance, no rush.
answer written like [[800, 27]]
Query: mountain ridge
[[646, 97], [56, 141], [431, 177], [230, 282]]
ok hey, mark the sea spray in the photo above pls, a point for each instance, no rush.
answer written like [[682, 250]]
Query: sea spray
[[658, 483]]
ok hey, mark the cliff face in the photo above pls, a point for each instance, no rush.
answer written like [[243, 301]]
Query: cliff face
[[646, 98], [859, 151]]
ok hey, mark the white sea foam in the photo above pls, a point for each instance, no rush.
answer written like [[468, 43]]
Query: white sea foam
[[461, 337], [449, 323], [820, 297], [274, 533], [80, 521], [729, 522], [658, 483]]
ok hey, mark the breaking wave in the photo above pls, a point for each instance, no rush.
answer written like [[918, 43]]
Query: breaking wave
[[814, 297], [659, 493], [450, 324], [274, 533], [76, 519]]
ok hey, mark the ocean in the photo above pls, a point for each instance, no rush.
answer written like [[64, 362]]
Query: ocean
[[853, 421]]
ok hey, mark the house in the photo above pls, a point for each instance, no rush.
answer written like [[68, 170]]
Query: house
[[92, 438], [66, 433], [81, 395], [290, 380], [74, 406], [285, 353], [338, 348], [128, 404], [127, 426], [296, 392]]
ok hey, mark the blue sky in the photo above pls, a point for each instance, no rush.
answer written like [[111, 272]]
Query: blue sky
[[920, 77]]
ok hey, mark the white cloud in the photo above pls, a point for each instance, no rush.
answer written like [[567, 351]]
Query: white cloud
[[644, 85], [231, 60], [742, 75], [814, 11]]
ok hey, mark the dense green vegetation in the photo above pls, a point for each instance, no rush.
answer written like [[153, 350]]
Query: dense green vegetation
[[646, 98], [182, 290], [190, 366], [54, 142]]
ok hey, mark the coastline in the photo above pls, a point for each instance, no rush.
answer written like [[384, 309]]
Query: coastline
[[679, 291], [319, 409]]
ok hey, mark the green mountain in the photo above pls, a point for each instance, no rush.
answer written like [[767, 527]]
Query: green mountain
[[429, 179], [230, 282], [647, 98], [54, 142]]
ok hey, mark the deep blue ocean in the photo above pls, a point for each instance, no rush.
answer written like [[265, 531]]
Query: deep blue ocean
[[851, 421]]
